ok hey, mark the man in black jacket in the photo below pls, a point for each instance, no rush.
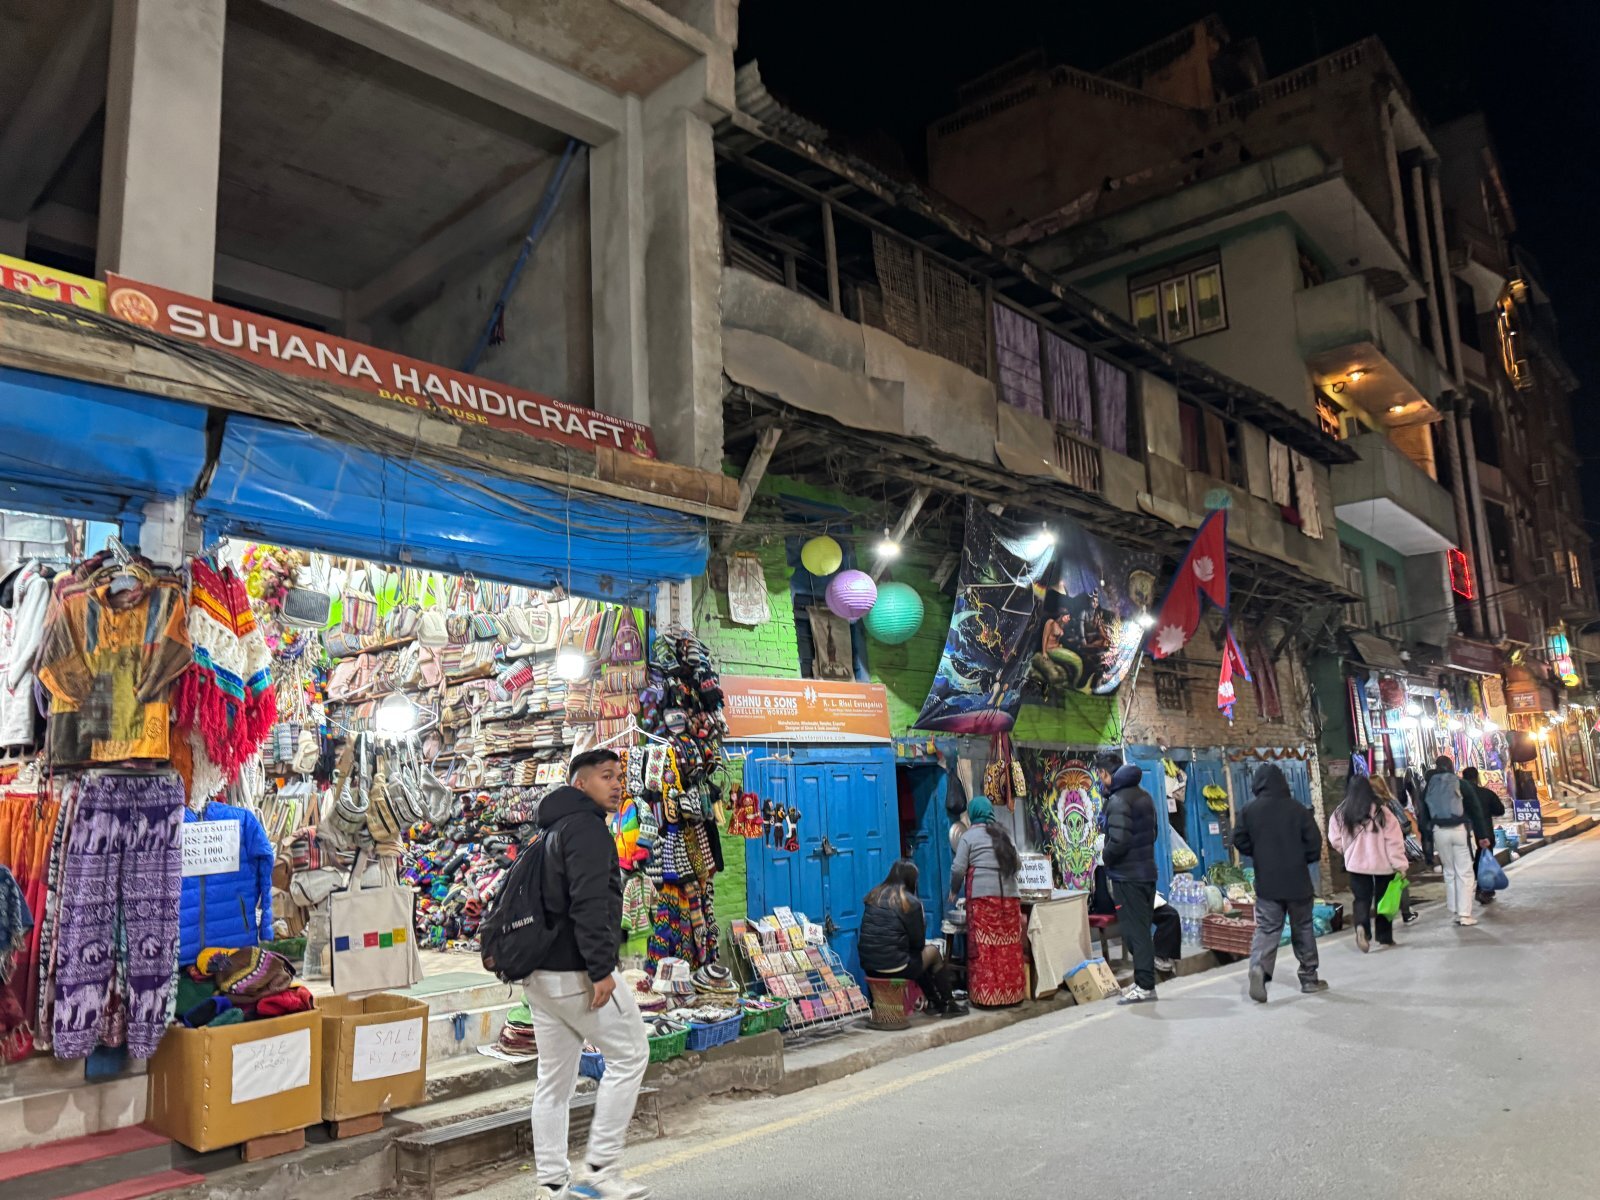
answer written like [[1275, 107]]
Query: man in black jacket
[[576, 995], [1281, 835], [1130, 861]]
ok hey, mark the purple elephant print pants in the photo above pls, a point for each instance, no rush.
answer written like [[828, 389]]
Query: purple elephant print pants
[[120, 886]]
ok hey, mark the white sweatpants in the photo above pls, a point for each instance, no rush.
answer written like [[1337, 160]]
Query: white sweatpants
[[562, 1023], [1453, 845]]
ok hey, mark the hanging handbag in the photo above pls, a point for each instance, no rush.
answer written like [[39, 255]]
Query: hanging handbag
[[360, 605], [373, 935], [305, 608], [627, 647]]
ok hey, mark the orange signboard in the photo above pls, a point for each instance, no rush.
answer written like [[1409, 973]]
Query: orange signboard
[[296, 350], [47, 283], [804, 710]]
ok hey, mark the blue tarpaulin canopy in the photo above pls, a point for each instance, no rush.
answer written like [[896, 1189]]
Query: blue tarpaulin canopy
[[76, 449], [280, 484]]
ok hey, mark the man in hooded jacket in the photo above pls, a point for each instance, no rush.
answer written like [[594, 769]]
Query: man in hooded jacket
[[1281, 835], [1130, 861]]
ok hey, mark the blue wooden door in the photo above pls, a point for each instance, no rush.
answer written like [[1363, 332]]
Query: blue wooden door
[[849, 834], [1154, 781], [928, 840], [1207, 846]]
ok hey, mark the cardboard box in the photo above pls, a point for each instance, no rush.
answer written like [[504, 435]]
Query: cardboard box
[[211, 1088], [1092, 980], [374, 1054]]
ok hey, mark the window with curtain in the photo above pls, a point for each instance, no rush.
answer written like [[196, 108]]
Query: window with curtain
[[1071, 404], [1111, 406], [1016, 351], [1180, 301], [1355, 614]]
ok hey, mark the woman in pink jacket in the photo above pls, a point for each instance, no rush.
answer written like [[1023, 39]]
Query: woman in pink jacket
[[1374, 849]]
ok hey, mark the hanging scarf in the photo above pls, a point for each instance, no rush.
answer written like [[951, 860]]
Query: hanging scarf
[[224, 701]]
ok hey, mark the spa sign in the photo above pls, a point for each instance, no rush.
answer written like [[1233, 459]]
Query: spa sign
[[804, 710], [424, 387]]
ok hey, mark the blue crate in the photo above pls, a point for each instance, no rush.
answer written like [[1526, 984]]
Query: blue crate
[[592, 1065], [717, 1033]]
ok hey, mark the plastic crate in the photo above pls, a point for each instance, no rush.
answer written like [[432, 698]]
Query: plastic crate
[[668, 1047], [1230, 935], [592, 1065], [762, 1020], [717, 1033]]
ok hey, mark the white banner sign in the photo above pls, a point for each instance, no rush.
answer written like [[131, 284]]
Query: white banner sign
[[210, 847], [384, 1050], [272, 1065]]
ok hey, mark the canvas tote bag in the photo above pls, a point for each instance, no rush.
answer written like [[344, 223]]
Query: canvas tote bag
[[374, 938]]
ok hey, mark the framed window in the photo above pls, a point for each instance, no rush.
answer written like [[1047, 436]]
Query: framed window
[[1179, 302], [1209, 315], [1355, 580], [1575, 571], [1328, 418], [1388, 599]]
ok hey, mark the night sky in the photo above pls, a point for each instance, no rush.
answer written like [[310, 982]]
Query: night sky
[[877, 71]]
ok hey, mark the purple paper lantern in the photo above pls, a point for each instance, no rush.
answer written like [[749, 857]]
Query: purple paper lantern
[[851, 595]]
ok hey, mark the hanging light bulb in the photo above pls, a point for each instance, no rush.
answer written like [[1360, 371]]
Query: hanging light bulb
[[1039, 542], [1490, 727], [1409, 722], [1456, 724], [571, 664], [887, 548], [1413, 709], [396, 716], [1146, 620]]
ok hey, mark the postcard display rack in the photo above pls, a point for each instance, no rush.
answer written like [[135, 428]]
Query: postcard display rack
[[789, 958]]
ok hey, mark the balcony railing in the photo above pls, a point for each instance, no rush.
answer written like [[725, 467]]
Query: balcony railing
[[1338, 319], [1388, 497]]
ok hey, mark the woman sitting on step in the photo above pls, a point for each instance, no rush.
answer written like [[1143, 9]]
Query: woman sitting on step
[[893, 943]]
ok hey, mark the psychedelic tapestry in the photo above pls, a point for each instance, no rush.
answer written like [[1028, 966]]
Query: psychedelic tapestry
[[994, 628], [1091, 634], [1063, 812]]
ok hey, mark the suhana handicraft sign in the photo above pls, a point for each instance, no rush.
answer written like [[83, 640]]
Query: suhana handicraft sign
[[425, 387]]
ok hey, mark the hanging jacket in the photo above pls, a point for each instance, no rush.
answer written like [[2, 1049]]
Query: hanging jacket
[[231, 910], [1280, 835], [1131, 829], [891, 940], [23, 601]]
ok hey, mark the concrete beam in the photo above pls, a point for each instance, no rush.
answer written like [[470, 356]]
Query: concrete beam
[[158, 179], [489, 226], [279, 290], [471, 58], [67, 90], [13, 237], [617, 244]]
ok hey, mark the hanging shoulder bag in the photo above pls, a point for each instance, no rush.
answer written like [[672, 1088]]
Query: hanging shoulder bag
[[373, 934]]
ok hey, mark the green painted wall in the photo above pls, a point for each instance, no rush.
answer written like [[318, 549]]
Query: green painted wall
[[1372, 553], [1078, 720]]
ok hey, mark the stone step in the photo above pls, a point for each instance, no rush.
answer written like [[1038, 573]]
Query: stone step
[[452, 1034], [124, 1163], [76, 1109]]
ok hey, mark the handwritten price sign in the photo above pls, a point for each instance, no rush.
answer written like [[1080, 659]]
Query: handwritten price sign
[[385, 1050], [271, 1065]]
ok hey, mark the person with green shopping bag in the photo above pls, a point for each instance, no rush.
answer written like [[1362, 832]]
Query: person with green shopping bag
[[1374, 850]]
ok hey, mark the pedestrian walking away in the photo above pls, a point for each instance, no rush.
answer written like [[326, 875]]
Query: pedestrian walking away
[[1281, 836], [1130, 860], [1408, 837], [1445, 812], [1368, 836], [1482, 807], [576, 994]]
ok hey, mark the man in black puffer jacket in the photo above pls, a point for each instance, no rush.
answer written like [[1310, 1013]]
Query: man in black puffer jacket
[[1130, 861]]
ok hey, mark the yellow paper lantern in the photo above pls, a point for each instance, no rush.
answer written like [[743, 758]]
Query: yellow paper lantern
[[821, 555]]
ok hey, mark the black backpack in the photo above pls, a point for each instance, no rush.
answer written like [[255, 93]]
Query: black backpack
[[520, 927]]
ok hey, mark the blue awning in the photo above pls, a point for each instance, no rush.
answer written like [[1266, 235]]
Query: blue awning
[[280, 484], [76, 449]]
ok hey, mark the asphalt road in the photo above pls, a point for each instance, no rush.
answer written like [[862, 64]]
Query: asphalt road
[[1460, 1065]]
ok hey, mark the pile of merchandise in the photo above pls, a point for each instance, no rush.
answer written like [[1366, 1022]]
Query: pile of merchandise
[[790, 959]]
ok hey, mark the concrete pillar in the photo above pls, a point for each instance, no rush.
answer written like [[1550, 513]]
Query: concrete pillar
[[683, 303], [1441, 253], [13, 238], [164, 536], [158, 190], [1489, 604], [617, 244], [1458, 493], [1391, 158], [1424, 258]]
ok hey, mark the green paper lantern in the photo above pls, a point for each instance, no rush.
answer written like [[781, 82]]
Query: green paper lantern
[[897, 615], [821, 556]]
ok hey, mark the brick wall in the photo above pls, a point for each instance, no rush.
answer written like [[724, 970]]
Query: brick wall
[[766, 649]]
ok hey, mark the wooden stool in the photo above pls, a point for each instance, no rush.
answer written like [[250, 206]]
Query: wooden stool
[[891, 1005], [1101, 924]]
